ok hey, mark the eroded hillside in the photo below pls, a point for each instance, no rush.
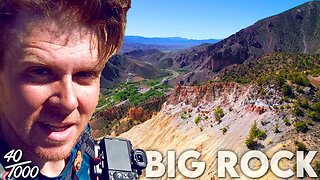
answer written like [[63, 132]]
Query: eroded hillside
[[189, 120]]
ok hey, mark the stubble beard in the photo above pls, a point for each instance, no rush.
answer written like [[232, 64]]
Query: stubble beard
[[57, 151], [57, 154]]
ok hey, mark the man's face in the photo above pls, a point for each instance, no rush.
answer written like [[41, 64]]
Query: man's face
[[49, 89]]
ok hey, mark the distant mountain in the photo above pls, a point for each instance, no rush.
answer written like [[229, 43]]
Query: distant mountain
[[154, 56], [165, 44], [166, 40], [296, 30], [121, 68]]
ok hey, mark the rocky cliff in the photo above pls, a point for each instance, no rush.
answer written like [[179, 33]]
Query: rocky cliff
[[188, 120]]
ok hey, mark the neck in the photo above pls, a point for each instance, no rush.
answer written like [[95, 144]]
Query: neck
[[52, 169]]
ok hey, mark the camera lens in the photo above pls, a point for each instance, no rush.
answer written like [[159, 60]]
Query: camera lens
[[118, 176], [139, 158]]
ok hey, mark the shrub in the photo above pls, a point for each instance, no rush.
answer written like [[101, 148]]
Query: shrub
[[301, 126], [218, 113], [260, 134], [304, 103], [314, 115], [297, 110], [286, 90], [183, 115], [197, 120], [286, 121], [276, 129], [300, 79], [300, 146], [224, 130], [309, 122], [316, 106], [317, 167]]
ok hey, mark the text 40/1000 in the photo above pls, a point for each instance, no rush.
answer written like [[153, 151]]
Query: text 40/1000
[[19, 169]]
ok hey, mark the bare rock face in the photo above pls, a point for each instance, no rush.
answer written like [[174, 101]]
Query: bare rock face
[[138, 113], [196, 95], [254, 108]]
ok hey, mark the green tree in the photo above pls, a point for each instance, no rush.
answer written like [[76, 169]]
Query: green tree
[[252, 134]]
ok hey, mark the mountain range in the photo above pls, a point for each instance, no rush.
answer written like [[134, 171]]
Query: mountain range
[[162, 43], [296, 30]]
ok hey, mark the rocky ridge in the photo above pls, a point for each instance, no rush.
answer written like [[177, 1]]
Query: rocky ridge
[[296, 30]]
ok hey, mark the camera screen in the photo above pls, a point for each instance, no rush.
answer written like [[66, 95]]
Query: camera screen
[[118, 155]]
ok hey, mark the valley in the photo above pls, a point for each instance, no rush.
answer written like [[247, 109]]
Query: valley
[[258, 89]]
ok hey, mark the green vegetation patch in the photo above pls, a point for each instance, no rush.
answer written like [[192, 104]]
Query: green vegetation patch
[[253, 134], [301, 126], [218, 113], [275, 68]]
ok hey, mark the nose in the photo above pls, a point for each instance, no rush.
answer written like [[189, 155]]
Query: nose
[[65, 98]]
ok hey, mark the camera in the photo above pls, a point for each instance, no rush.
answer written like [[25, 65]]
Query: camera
[[116, 160]]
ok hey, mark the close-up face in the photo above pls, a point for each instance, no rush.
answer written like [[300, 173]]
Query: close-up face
[[49, 86]]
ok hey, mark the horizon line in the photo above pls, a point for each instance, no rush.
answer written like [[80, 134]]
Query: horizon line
[[175, 37]]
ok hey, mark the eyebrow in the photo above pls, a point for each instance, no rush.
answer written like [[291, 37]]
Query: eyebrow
[[34, 59]]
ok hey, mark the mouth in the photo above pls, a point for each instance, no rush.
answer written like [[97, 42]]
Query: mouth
[[57, 128], [58, 132]]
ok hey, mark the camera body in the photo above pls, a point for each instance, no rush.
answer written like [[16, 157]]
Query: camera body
[[116, 160]]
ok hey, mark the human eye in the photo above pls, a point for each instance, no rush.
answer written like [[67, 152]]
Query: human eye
[[86, 77], [39, 74], [40, 71]]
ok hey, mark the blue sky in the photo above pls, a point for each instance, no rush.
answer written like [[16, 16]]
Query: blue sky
[[200, 19]]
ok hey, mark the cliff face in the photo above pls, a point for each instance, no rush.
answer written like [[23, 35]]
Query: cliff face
[[175, 126], [197, 95], [296, 30]]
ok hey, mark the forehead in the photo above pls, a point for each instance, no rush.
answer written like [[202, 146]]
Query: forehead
[[50, 31], [49, 36]]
